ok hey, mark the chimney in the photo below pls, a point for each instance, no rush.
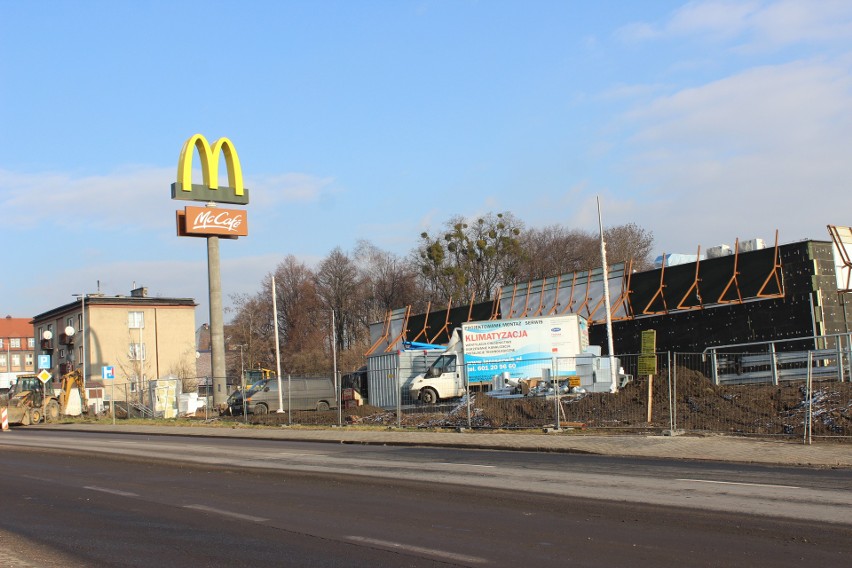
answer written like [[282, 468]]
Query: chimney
[[141, 292]]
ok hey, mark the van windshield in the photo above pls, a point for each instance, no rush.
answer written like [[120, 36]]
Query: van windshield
[[444, 364]]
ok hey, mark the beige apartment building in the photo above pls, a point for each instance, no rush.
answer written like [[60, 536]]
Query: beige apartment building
[[138, 338]]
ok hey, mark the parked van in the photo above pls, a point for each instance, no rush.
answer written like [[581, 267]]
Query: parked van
[[298, 393]]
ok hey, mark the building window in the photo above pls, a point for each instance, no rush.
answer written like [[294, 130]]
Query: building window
[[69, 322], [31, 343], [1, 342], [80, 353], [16, 361], [135, 320], [3, 361], [61, 353], [136, 352], [29, 357], [15, 343], [80, 321]]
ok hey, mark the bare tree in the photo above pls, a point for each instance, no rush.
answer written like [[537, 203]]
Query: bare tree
[[388, 282], [337, 285]]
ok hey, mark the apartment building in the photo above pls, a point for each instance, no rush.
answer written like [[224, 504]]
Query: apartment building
[[17, 345], [137, 338]]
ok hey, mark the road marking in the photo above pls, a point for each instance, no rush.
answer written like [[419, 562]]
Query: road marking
[[418, 550], [242, 517], [738, 483], [465, 464], [111, 491]]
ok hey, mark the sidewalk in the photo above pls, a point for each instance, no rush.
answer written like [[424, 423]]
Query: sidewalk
[[711, 448]]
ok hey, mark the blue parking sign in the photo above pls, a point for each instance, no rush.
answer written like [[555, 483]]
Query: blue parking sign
[[44, 361], [108, 372]]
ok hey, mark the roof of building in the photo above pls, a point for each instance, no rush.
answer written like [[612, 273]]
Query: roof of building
[[134, 299], [15, 327]]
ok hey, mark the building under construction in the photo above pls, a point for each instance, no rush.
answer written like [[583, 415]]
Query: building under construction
[[746, 294]]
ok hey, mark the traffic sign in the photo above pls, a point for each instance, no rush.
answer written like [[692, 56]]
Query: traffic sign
[[44, 361], [108, 372], [44, 376]]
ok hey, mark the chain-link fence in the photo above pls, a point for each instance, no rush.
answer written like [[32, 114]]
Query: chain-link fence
[[806, 397]]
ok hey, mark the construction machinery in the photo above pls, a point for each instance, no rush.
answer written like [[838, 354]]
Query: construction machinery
[[31, 400]]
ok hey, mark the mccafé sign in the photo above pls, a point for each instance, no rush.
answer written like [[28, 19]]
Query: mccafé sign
[[206, 221], [211, 220]]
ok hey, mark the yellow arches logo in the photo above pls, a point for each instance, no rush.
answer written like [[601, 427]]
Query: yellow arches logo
[[184, 189]]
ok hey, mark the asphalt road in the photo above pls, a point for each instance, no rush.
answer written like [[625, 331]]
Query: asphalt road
[[117, 500]]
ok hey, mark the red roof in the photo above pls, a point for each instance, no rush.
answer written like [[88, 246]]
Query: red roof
[[16, 327]]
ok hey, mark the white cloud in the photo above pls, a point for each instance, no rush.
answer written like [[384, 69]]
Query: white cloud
[[291, 187], [740, 157], [755, 24], [137, 196]]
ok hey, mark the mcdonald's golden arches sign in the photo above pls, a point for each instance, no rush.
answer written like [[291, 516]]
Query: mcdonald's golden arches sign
[[209, 190]]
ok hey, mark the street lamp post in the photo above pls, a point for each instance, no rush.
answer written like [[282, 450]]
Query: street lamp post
[[243, 382], [85, 332]]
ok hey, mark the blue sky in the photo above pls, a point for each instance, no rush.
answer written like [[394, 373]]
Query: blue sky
[[702, 121]]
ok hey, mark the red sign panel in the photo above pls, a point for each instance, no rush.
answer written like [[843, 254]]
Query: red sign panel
[[207, 221]]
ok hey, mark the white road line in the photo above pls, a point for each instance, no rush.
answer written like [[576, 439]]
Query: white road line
[[207, 509], [464, 464], [737, 483], [418, 550], [111, 491]]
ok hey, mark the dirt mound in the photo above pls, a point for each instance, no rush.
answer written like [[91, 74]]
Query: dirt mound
[[692, 401]]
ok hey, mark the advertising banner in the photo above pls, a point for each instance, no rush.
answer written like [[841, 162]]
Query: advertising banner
[[522, 347]]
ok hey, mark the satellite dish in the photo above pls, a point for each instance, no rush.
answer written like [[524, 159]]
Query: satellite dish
[[197, 354], [69, 331], [47, 334]]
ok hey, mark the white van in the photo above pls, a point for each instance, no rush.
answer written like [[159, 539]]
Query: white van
[[298, 393]]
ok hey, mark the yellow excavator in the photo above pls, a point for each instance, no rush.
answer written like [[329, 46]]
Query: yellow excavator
[[31, 400]]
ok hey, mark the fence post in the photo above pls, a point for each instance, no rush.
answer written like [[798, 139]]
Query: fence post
[[671, 408], [398, 393], [773, 364], [807, 431], [715, 362], [650, 396]]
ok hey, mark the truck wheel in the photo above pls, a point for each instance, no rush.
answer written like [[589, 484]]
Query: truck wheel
[[35, 416], [429, 396], [259, 409], [52, 411], [322, 406]]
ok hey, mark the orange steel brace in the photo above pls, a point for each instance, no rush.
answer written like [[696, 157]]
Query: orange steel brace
[[776, 266], [425, 324], [571, 298], [540, 299], [526, 300], [555, 296], [623, 298], [659, 292], [402, 331], [512, 303], [383, 337], [446, 321], [495, 307], [694, 286], [586, 295], [470, 309], [733, 279]]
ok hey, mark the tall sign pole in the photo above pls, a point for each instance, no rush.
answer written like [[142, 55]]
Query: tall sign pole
[[613, 372], [212, 223]]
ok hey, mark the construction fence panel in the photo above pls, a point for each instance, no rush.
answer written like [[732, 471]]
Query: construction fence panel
[[759, 407]]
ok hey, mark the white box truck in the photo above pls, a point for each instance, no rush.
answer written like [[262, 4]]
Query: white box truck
[[524, 348]]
